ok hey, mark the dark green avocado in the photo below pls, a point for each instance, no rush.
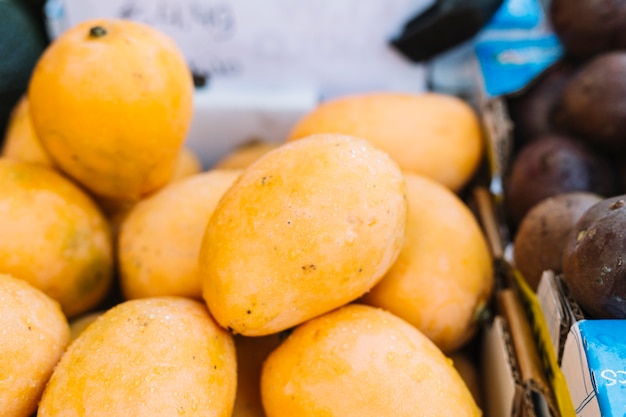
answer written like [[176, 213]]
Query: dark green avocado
[[22, 40]]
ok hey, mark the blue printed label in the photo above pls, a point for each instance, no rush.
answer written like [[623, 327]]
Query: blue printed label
[[509, 65], [604, 342]]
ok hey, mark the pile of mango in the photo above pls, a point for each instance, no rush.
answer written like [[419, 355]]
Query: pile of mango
[[334, 272]]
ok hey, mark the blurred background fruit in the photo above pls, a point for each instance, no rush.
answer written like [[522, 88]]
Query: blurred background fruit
[[21, 142], [532, 110], [35, 333], [543, 232], [593, 259], [589, 27], [554, 164], [243, 155], [592, 103], [160, 237], [580, 98], [120, 126], [188, 163], [431, 134], [81, 322], [54, 236]]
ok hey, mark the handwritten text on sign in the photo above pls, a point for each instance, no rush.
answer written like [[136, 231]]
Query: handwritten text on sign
[[338, 45]]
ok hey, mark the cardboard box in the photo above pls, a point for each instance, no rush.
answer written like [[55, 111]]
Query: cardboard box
[[531, 337], [511, 369], [521, 380]]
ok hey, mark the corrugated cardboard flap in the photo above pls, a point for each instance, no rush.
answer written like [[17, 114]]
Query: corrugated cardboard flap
[[537, 394], [500, 372], [533, 395], [560, 311]]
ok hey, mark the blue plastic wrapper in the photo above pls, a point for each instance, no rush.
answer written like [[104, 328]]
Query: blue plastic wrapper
[[515, 47]]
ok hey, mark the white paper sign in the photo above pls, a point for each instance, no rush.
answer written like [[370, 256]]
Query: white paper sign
[[339, 46]]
